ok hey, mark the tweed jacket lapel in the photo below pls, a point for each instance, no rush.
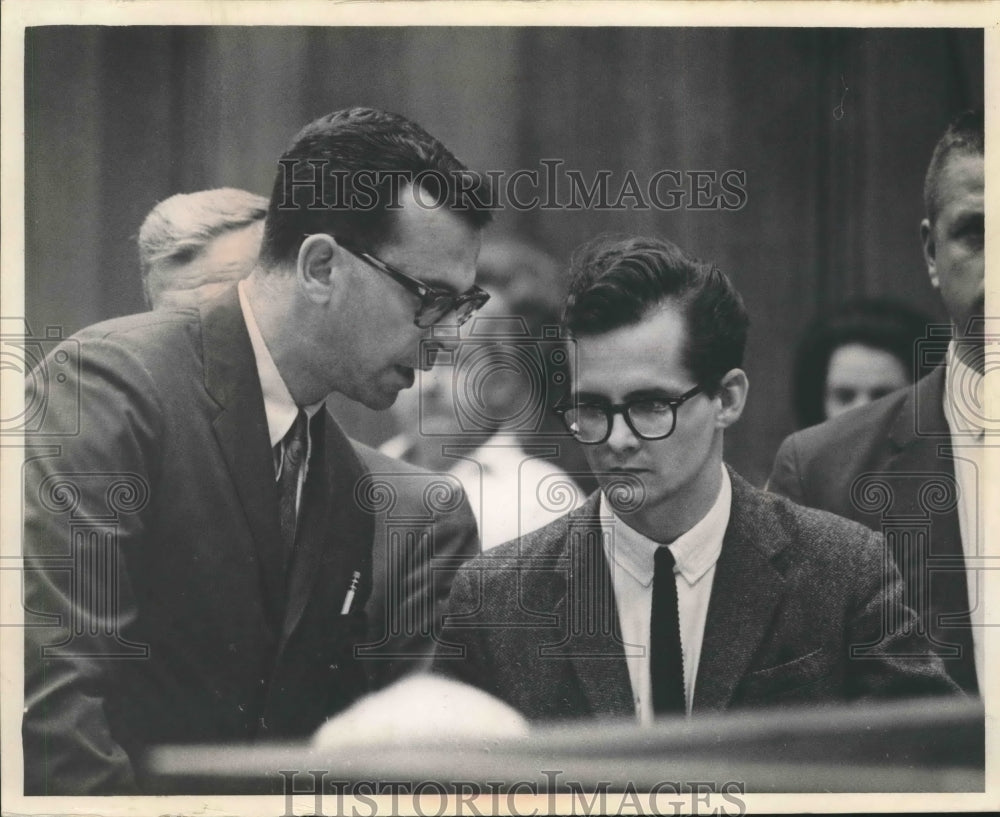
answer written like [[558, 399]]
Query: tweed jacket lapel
[[745, 592], [241, 429], [589, 615]]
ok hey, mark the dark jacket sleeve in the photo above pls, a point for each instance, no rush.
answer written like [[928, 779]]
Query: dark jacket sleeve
[[785, 478], [86, 480], [424, 531], [455, 540]]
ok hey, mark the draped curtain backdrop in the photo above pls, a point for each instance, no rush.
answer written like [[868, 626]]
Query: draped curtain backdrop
[[833, 129]]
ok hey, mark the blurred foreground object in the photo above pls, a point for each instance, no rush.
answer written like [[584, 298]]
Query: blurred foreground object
[[423, 709], [925, 745]]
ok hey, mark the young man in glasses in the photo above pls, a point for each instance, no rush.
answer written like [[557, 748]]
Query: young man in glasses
[[198, 551], [677, 588]]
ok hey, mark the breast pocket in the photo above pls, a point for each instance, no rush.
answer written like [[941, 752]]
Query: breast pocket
[[785, 678]]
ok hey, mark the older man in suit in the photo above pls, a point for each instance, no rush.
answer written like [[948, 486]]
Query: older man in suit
[[196, 560], [193, 246], [911, 464], [677, 588]]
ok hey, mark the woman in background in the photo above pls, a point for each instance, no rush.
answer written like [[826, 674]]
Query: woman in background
[[863, 351]]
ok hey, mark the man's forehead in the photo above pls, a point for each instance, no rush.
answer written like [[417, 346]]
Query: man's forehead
[[416, 216], [964, 171], [647, 355], [434, 244]]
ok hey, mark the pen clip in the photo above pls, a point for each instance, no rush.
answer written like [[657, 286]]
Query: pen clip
[[351, 590]]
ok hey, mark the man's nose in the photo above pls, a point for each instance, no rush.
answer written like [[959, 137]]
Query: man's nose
[[622, 439]]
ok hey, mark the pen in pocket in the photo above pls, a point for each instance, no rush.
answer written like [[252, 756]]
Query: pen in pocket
[[349, 598]]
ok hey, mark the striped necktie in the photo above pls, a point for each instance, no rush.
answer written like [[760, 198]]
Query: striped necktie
[[294, 447]]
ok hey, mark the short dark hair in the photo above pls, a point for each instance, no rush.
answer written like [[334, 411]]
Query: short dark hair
[[339, 148], [882, 323], [965, 135], [617, 281]]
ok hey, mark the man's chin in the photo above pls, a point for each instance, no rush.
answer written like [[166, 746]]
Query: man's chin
[[377, 397], [625, 492], [379, 401], [382, 393]]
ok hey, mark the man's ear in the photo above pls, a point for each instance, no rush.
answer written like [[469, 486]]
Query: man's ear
[[316, 268], [927, 240], [733, 388]]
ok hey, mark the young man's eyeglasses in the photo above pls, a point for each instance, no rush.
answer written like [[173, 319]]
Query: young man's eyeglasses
[[435, 303], [650, 418]]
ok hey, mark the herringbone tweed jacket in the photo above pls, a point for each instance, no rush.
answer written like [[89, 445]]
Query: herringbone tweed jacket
[[804, 609]]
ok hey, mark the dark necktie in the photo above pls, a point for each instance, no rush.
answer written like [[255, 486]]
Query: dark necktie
[[666, 664], [294, 446]]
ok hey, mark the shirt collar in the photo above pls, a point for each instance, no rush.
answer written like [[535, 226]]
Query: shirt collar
[[695, 552], [279, 407], [963, 385]]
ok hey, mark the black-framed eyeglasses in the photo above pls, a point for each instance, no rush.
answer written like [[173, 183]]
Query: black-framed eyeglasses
[[650, 418], [435, 303]]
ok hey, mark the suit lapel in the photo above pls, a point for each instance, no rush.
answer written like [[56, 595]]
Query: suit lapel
[[745, 592], [922, 457], [335, 535], [922, 451], [241, 429], [589, 614]]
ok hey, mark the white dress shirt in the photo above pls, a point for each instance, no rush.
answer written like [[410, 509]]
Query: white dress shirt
[[399, 447], [279, 407], [512, 492], [964, 410], [630, 558]]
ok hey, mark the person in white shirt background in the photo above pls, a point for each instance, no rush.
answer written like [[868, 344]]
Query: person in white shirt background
[[484, 414]]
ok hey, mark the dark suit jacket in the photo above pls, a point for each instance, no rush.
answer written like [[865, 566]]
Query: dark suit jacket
[[795, 591], [158, 605], [423, 531], [888, 465]]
